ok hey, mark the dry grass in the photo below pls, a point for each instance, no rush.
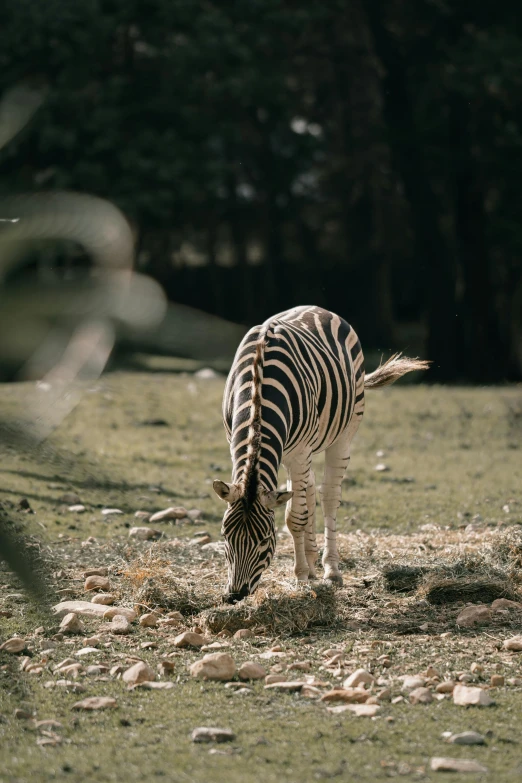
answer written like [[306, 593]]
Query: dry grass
[[457, 567]]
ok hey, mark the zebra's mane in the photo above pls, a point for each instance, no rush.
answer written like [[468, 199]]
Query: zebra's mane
[[250, 479]]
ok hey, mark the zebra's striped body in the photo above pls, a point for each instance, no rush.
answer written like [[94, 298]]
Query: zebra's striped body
[[296, 388]]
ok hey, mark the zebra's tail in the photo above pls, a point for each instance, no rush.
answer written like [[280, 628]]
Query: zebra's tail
[[393, 369]]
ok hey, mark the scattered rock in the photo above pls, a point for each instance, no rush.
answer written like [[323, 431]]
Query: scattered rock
[[360, 710], [359, 677], [514, 644], [347, 695], [300, 666], [95, 703], [190, 639], [70, 499], [194, 514], [14, 645], [149, 620], [174, 512], [243, 633], [97, 583], [109, 511], [441, 764], [464, 696], [384, 695], [199, 541], [98, 571], [445, 687], [77, 508], [145, 515], [214, 666], [467, 738], [270, 679], [206, 373], [381, 467], [504, 604], [83, 608], [420, 696], [409, 683], [119, 624], [71, 623], [86, 651], [476, 668], [138, 673], [251, 671], [476, 614], [130, 614], [105, 599], [69, 685], [212, 734], [497, 680], [96, 669], [160, 686], [288, 686], [144, 533]]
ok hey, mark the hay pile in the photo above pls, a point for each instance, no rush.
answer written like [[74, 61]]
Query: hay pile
[[276, 610], [472, 579], [177, 581]]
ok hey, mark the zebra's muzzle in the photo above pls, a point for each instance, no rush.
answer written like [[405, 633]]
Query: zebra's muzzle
[[234, 598]]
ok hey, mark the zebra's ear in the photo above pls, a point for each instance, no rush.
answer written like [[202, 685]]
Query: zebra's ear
[[227, 492], [273, 499]]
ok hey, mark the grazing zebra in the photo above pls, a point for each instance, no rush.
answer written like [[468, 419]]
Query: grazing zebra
[[296, 388]]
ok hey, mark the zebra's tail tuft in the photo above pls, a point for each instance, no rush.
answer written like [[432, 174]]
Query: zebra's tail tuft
[[393, 369]]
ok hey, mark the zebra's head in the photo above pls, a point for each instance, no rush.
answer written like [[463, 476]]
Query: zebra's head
[[250, 536]]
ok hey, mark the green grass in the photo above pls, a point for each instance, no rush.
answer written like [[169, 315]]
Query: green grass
[[453, 454]]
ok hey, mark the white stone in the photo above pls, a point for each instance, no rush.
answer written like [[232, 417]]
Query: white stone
[[14, 645], [130, 614], [138, 673], [514, 644], [251, 671], [84, 608], [443, 764], [87, 651], [97, 583], [174, 512], [144, 533], [420, 696], [71, 623], [212, 734], [149, 620], [409, 683], [108, 511], [106, 599], [360, 710], [77, 508], [359, 677], [464, 696], [467, 738], [95, 703], [119, 624], [190, 639], [214, 666], [476, 614]]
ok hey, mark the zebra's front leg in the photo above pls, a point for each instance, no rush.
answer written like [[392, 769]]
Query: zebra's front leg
[[310, 534], [335, 464], [296, 517]]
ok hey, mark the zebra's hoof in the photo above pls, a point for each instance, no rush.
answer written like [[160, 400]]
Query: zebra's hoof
[[335, 580]]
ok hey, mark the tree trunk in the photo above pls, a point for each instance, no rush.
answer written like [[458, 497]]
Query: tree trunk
[[431, 247]]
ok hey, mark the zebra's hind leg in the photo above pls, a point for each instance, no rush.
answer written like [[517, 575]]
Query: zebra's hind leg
[[336, 461], [296, 516], [310, 539]]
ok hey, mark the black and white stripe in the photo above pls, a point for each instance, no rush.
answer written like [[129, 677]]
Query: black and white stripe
[[296, 388]]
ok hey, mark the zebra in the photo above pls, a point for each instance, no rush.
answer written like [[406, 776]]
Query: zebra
[[295, 389]]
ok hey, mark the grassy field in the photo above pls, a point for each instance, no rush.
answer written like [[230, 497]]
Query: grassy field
[[138, 441]]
